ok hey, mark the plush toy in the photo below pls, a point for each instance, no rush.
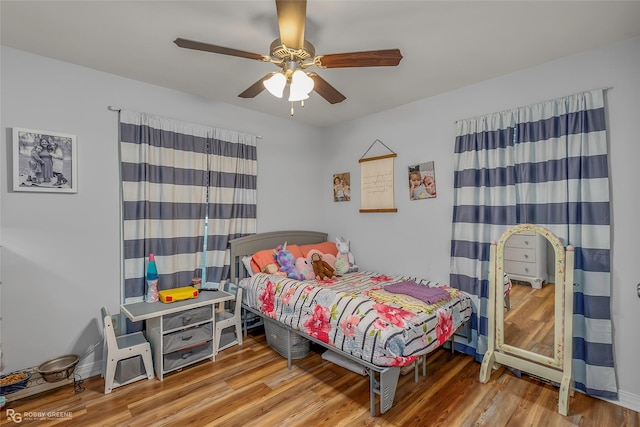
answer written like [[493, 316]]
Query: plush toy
[[273, 268], [342, 266], [321, 268], [343, 253], [286, 261], [329, 258], [305, 269]]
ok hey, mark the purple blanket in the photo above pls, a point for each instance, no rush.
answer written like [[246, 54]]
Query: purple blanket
[[421, 292]]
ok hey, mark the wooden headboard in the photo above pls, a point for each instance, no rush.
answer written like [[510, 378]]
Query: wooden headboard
[[249, 245]]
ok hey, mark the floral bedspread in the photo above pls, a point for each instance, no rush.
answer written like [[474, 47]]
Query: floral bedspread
[[355, 314]]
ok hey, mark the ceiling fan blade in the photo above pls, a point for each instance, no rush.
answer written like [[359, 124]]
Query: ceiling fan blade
[[371, 58], [253, 90], [325, 90], [292, 16], [190, 44]]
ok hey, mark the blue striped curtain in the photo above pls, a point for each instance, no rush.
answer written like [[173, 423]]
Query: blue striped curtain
[[168, 171], [233, 171], [544, 164]]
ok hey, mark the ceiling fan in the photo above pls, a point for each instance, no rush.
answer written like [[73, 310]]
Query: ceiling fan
[[293, 54]]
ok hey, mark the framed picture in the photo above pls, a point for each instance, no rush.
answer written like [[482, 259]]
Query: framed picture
[[44, 161], [342, 187], [422, 181]]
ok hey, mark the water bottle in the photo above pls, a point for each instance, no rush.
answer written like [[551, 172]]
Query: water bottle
[[152, 280]]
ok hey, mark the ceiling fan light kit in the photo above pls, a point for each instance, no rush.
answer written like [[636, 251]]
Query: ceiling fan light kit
[[300, 87], [275, 84], [293, 54]]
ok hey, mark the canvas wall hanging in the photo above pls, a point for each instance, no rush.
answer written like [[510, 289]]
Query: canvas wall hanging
[[376, 181]]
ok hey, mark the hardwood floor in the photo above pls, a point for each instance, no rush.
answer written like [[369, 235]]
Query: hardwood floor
[[529, 323], [251, 386]]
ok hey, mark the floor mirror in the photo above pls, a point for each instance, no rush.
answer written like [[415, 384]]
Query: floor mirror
[[537, 341]]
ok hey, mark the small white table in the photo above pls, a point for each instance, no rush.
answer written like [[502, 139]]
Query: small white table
[[180, 333]]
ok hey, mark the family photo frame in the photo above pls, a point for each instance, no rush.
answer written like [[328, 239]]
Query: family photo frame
[[44, 161], [342, 187], [422, 181]]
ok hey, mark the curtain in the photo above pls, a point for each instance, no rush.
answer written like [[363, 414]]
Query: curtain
[[233, 171], [166, 169], [545, 164], [484, 207]]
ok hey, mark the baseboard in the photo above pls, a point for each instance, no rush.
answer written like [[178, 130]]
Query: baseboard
[[627, 400], [38, 385]]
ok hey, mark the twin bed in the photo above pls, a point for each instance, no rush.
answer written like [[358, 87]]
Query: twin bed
[[366, 318]]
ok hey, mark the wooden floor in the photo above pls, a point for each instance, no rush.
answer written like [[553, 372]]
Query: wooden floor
[[251, 386], [529, 323]]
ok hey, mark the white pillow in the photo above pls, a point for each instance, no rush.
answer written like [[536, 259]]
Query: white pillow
[[246, 261]]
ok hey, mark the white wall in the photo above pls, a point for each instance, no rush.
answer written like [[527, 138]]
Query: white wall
[[416, 240], [60, 254]]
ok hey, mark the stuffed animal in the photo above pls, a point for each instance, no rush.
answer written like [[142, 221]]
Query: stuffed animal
[[305, 269], [321, 268], [286, 261], [273, 268], [329, 258], [342, 266], [343, 253]]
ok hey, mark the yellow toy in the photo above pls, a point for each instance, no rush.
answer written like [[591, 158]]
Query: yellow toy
[[178, 294]]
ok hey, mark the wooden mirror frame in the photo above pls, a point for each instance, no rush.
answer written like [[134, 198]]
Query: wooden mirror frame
[[557, 368]]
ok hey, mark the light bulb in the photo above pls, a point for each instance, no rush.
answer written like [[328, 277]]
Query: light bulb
[[301, 86], [275, 84]]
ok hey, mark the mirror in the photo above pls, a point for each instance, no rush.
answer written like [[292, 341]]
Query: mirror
[[531, 329], [529, 315]]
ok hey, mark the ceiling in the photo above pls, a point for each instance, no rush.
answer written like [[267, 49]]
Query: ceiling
[[445, 44]]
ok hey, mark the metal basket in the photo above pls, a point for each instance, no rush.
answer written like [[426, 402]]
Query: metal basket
[[58, 369], [16, 385], [276, 335]]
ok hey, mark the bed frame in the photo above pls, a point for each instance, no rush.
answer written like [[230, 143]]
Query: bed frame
[[383, 380]]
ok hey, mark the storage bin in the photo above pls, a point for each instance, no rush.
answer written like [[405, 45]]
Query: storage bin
[[276, 335], [187, 337], [187, 356], [187, 317], [128, 369]]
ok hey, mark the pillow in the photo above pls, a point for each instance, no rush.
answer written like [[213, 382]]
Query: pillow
[[260, 259], [324, 247], [246, 261], [264, 257], [295, 251]]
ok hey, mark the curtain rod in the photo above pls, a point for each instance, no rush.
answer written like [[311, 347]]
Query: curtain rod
[[118, 109], [604, 89]]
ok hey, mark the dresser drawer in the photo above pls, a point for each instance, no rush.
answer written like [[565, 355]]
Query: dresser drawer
[[185, 357], [521, 241], [187, 317], [187, 337], [519, 254], [519, 267]]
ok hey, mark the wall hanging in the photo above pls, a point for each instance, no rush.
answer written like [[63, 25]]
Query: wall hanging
[[422, 181], [376, 182], [44, 161], [342, 187]]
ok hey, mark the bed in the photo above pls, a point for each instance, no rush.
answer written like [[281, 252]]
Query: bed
[[354, 315]]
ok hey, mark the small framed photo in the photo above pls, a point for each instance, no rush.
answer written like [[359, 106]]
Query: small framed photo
[[342, 187], [44, 161], [422, 181]]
